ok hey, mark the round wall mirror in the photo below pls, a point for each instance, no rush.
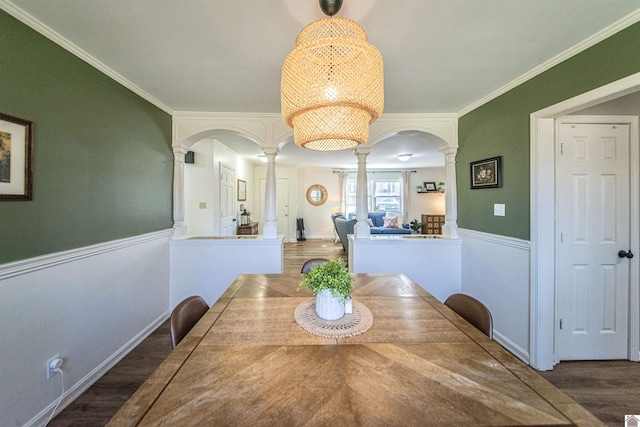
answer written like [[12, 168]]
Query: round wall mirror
[[317, 195]]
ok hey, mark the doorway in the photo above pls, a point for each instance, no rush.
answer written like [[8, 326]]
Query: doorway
[[543, 257], [227, 197], [593, 227]]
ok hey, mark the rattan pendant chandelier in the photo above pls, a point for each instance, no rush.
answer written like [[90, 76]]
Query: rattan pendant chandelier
[[332, 85]]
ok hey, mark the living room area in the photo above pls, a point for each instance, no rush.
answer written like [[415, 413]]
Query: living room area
[[226, 176], [394, 185]]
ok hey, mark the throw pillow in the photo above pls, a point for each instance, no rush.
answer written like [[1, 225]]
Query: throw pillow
[[390, 222], [369, 222]]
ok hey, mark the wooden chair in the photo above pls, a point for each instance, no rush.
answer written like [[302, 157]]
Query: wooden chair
[[473, 311], [309, 264], [184, 317]]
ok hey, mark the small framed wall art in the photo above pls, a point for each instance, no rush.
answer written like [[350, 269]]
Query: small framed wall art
[[242, 190], [430, 186], [486, 173], [16, 158]]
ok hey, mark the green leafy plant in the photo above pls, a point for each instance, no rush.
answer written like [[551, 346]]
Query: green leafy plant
[[332, 275]]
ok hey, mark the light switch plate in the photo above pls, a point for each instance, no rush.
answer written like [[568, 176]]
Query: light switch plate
[[498, 209]]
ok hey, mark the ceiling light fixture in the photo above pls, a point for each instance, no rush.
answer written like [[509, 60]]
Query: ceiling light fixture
[[404, 157], [332, 84]]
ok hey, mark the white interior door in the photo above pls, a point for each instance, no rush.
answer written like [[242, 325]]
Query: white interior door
[[282, 205], [227, 197], [593, 226]]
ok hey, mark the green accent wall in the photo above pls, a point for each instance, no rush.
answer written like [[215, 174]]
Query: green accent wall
[[103, 163], [501, 128]]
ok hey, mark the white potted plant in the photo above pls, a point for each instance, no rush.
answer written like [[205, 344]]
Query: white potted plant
[[332, 284]]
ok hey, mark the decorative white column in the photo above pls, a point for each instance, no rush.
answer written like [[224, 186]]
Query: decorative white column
[[450, 227], [179, 227], [362, 230], [270, 229]]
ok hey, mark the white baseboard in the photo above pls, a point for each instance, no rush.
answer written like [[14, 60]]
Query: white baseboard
[[83, 385], [517, 351]]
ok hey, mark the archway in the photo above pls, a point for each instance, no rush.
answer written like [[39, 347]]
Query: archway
[[270, 134]]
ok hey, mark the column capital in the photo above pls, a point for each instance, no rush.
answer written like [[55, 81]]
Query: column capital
[[179, 150], [362, 151], [448, 151], [270, 151]]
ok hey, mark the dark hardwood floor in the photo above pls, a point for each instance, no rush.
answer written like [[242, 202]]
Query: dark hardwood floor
[[609, 389]]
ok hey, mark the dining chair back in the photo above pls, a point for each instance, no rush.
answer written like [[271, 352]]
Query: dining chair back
[[184, 317], [309, 264], [473, 311]]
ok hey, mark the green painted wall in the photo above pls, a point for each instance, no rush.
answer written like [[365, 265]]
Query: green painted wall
[[501, 128], [103, 162]]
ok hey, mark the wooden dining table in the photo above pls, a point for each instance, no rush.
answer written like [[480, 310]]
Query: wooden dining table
[[249, 363]]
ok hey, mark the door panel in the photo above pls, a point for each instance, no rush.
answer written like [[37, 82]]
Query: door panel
[[227, 197], [593, 225], [282, 205]]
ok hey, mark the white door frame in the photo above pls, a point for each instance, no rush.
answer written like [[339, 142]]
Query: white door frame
[[542, 349]]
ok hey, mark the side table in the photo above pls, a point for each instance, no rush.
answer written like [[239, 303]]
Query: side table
[[248, 230]]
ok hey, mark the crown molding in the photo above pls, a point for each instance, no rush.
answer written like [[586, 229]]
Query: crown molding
[[225, 115], [57, 38], [605, 33]]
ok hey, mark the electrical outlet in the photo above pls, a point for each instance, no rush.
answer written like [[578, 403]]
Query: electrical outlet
[[52, 364], [498, 209]]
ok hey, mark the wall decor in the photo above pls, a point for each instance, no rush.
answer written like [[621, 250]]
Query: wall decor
[[430, 186], [242, 190], [317, 195], [486, 173], [16, 158]]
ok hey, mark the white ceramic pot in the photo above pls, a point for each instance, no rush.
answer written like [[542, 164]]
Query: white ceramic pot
[[329, 307]]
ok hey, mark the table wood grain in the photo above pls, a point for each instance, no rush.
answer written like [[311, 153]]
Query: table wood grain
[[248, 362]]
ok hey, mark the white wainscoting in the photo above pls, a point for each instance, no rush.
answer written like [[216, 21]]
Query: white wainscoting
[[90, 305], [206, 266], [495, 270], [432, 263]]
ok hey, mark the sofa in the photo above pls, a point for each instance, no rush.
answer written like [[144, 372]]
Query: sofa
[[377, 219], [346, 226]]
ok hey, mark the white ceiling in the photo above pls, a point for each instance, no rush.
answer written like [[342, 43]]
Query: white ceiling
[[226, 56]]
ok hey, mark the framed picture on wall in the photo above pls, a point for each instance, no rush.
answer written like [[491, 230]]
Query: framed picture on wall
[[430, 186], [16, 158], [242, 190], [486, 173]]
